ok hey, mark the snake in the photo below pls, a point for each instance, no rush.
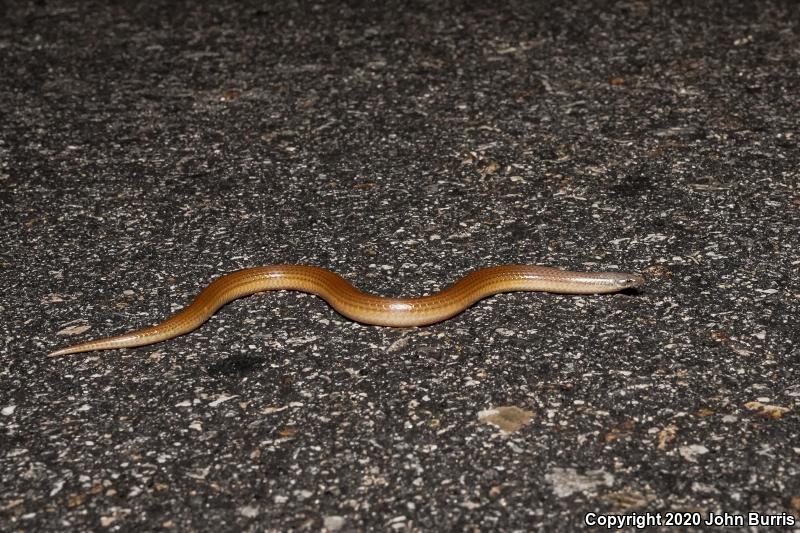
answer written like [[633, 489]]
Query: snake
[[361, 306]]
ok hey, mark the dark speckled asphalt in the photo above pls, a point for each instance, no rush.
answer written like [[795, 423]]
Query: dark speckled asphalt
[[146, 150]]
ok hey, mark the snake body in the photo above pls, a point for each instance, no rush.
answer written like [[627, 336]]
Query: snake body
[[363, 307]]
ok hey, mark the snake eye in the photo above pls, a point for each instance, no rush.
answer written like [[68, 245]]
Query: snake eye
[[634, 281]]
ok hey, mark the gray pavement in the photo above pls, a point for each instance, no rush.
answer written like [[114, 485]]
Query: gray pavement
[[147, 150]]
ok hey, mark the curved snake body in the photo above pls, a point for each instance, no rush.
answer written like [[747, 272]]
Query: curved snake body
[[363, 307]]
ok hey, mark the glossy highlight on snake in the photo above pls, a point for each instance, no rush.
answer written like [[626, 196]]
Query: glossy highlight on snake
[[364, 307]]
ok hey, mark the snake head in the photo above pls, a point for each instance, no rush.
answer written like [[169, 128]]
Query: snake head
[[630, 281]]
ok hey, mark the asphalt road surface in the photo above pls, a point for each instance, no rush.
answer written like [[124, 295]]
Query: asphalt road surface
[[147, 150]]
